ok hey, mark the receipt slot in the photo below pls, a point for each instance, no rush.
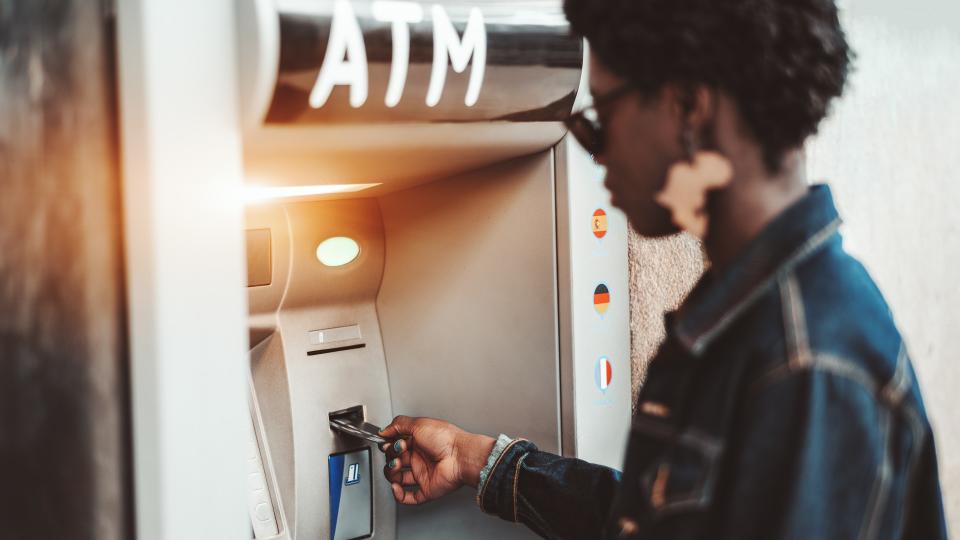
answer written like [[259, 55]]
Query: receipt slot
[[421, 240]]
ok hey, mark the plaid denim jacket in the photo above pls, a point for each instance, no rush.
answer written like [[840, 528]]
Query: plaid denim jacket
[[782, 404]]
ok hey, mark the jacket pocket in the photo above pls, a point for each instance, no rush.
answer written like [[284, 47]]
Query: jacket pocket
[[680, 473]]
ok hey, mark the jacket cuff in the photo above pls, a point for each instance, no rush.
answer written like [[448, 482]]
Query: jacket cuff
[[497, 490]]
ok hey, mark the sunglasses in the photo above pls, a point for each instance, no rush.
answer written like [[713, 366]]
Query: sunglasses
[[585, 125]]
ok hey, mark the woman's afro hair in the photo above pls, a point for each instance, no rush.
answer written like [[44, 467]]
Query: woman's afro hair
[[782, 61]]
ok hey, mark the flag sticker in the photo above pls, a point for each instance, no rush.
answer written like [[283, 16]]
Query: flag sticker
[[603, 374], [600, 223], [601, 299]]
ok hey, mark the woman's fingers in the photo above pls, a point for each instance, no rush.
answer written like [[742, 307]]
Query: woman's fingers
[[395, 459], [403, 477], [392, 469], [401, 426], [395, 448], [398, 469], [390, 473], [408, 494]]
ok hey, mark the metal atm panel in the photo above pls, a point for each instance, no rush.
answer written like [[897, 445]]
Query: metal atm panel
[[458, 303], [468, 309], [298, 381]]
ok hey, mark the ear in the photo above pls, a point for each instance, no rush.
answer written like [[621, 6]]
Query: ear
[[704, 107], [693, 106], [694, 110]]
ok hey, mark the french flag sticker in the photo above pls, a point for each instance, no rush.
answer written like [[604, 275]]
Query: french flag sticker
[[603, 373]]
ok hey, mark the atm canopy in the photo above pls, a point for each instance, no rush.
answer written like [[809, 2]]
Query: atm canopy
[[397, 92]]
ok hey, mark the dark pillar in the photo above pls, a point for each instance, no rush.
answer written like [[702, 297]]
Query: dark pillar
[[64, 422]]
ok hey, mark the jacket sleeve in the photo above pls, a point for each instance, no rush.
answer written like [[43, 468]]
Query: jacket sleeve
[[555, 497]]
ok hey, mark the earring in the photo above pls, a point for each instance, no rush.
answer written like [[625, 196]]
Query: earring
[[688, 181]]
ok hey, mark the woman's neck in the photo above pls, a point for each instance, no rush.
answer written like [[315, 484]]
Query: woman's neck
[[753, 199]]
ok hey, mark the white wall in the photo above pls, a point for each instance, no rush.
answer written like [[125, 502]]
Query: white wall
[[891, 151]]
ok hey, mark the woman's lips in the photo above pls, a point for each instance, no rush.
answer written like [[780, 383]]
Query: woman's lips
[[614, 197], [615, 201]]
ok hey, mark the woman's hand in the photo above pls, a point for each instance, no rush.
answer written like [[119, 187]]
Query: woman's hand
[[431, 458]]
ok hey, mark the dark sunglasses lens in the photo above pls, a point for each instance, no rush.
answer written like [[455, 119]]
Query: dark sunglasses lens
[[588, 134]]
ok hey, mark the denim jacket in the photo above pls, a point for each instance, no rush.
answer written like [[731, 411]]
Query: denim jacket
[[782, 404]]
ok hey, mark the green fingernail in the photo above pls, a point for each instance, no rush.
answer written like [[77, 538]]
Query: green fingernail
[[397, 446], [393, 463]]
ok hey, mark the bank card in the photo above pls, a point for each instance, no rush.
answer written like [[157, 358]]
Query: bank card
[[363, 430]]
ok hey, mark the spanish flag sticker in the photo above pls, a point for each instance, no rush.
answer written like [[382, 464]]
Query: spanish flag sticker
[[601, 299], [600, 223], [603, 374]]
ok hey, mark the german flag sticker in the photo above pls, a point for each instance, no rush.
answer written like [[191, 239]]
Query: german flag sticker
[[600, 223], [601, 299]]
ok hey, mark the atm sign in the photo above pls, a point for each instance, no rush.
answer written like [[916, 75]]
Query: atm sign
[[345, 61], [353, 474]]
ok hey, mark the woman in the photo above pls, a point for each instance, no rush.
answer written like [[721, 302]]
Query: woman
[[782, 403]]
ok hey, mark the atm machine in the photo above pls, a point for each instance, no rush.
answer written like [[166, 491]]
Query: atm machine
[[422, 239]]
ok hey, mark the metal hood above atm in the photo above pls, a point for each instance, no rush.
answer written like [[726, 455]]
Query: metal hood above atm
[[328, 84]]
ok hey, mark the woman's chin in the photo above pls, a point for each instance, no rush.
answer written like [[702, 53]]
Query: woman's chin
[[651, 224], [619, 202]]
